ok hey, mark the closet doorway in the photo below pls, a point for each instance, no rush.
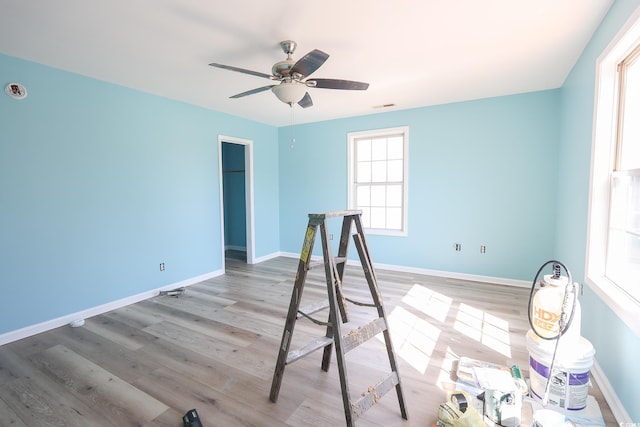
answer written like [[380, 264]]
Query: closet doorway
[[236, 182]]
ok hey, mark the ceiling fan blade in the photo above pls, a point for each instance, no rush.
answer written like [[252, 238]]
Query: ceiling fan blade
[[252, 91], [338, 84], [242, 70], [306, 101], [309, 63]]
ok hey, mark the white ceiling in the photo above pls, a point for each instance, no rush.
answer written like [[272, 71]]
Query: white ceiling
[[412, 52]]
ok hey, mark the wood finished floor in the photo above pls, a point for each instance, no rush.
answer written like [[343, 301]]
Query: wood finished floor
[[215, 348]]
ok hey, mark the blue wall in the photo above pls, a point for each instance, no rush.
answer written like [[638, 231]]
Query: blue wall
[[99, 184], [617, 347], [480, 173]]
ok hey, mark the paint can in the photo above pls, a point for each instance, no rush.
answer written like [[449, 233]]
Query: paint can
[[569, 381]]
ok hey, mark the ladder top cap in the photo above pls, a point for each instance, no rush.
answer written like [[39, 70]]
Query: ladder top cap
[[335, 214]]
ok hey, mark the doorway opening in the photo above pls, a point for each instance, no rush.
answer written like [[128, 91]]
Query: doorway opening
[[236, 194]]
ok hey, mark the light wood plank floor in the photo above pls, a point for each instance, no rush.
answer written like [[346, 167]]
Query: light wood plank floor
[[215, 348]]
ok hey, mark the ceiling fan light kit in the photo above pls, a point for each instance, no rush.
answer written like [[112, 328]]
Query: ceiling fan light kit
[[290, 92], [291, 74]]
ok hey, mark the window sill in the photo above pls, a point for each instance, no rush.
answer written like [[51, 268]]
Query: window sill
[[383, 232]]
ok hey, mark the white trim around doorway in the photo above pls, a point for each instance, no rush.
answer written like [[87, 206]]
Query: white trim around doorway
[[248, 161]]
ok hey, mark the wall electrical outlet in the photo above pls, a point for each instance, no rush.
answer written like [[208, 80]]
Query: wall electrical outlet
[[458, 247], [162, 266], [483, 249]]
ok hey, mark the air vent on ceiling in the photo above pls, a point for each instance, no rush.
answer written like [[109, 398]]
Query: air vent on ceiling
[[384, 105]]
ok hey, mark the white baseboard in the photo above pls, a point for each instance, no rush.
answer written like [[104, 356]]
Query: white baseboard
[[452, 275], [267, 257], [291, 255], [428, 272], [94, 311], [610, 394]]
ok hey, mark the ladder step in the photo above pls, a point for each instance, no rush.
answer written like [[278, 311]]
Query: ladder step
[[373, 394], [363, 334], [313, 307], [309, 348]]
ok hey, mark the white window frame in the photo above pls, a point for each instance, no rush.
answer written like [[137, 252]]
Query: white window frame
[[603, 156], [351, 185]]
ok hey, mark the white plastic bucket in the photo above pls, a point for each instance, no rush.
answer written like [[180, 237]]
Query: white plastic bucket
[[569, 386]]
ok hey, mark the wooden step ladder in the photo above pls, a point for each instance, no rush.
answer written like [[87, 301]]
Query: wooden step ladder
[[334, 273]]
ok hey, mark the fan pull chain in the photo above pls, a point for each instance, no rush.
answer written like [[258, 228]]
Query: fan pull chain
[[293, 136]]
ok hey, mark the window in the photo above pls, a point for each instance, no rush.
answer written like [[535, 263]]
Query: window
[[613, 251], [378, 179], [623, 245]]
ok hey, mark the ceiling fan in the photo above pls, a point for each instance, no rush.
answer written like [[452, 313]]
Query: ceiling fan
[[292, 74]]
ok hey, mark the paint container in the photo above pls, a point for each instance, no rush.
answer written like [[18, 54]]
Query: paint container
[[570, 383], [549, 304]]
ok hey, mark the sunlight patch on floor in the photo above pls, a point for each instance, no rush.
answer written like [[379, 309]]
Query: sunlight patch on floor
[[429, 302], [485, 328], [414, 339], [446, 380]]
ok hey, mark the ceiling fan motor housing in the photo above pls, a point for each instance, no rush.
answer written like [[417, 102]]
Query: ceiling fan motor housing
[[281, 69]]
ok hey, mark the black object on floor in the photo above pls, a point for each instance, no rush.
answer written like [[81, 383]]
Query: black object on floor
[[191, 419]]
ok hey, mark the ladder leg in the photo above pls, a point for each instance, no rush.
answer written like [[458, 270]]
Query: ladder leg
[[326, 355], [343, 248], [344, 314], [365, 258], [338, 270], [335, 321], [342, 372], [334, 275], [330, 275], [296, 295]]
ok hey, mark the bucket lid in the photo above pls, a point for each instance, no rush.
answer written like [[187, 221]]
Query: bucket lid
[[580, 349]]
